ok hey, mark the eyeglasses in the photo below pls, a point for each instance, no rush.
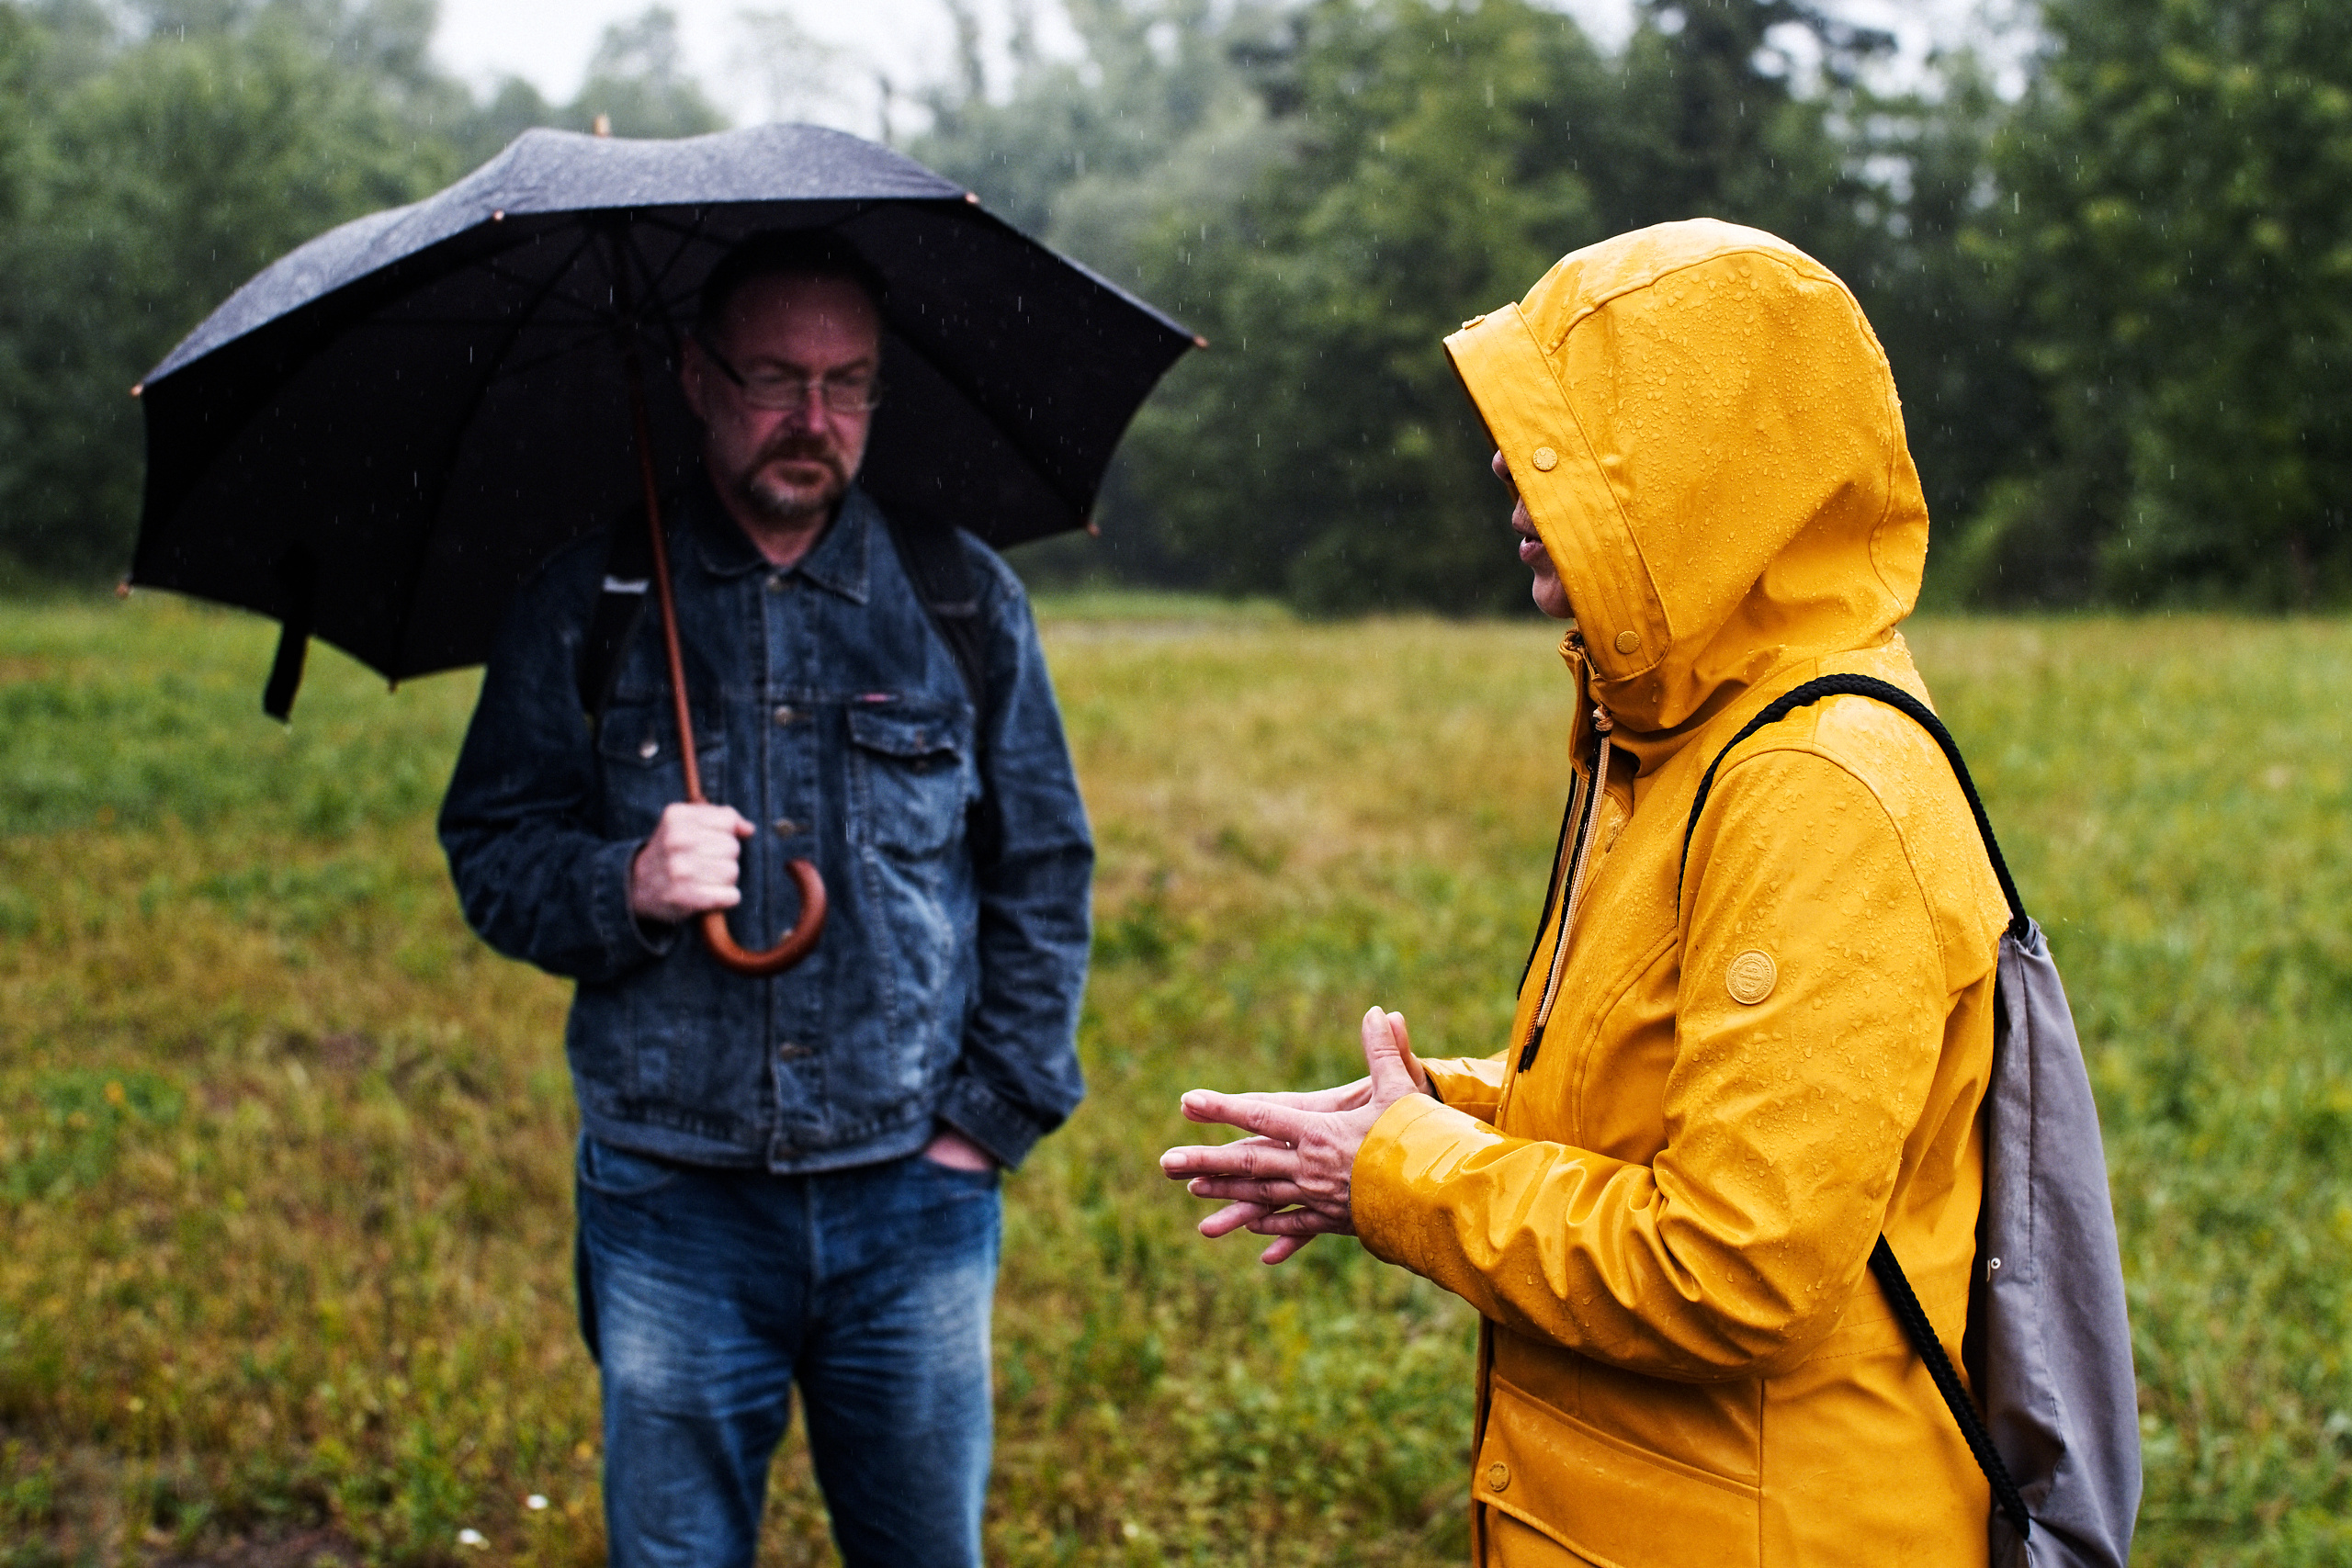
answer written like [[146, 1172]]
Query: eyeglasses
[[849, 392]]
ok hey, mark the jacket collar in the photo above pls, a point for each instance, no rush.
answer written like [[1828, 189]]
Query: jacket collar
[[838, 562], [840, 559]]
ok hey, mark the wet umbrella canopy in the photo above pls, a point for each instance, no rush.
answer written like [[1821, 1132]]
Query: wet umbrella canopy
[[377, 439]]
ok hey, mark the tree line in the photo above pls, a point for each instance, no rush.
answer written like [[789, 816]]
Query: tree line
[[2113, 291]]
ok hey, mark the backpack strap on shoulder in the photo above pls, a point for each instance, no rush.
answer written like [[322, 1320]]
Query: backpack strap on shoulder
[[1901, 1297], [1894, 696], [950, 591], [628, 571]]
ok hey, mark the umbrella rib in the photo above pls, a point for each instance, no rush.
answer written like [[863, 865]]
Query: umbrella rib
[[524, 366], [447, 468], [662, 312], [687, 236], [971, 395], [403, 324], [541, 289]]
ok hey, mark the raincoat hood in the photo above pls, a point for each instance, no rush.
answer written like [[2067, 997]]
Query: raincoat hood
[[1707, 437]]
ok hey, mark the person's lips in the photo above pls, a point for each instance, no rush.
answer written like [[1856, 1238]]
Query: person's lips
[[1531, 543], [813, 466]]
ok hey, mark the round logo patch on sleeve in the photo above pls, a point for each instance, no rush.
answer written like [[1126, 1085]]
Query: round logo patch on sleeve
[[1751, 977]]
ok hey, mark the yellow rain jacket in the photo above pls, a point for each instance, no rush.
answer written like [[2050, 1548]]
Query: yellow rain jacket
[[1664, 1218]]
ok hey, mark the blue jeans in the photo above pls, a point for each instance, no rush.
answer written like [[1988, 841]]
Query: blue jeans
[[705, 1294]]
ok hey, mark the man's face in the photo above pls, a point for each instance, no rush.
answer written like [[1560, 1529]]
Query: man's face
[[785, 467], [1550, 594]]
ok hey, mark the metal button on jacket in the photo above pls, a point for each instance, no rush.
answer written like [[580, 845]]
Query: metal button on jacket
[[786, 715]]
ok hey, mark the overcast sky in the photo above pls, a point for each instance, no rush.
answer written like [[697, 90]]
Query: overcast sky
[[548, 42]]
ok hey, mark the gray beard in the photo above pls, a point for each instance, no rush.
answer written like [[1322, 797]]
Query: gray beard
[[785, 510]]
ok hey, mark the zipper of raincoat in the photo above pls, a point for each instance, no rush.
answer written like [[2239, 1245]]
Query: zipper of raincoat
[[1578, 861]]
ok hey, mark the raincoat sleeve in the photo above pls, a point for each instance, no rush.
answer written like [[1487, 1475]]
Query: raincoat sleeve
[[1472, 1085], [1736, 1249], [1033, 862], [537, 879]]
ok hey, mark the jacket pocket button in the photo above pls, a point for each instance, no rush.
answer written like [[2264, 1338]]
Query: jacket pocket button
[[1499, 1475], [786, 715], [649, 749]]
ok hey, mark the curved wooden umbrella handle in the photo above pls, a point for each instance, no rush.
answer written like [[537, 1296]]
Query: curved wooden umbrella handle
[[798, 942]]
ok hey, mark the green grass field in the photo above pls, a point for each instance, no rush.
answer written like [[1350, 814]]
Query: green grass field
[[285, 1153]]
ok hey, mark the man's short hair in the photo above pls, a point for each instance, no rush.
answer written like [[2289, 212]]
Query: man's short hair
[[785, 253]]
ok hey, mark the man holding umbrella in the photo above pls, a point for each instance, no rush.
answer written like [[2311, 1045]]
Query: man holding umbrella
[[788, 1179]]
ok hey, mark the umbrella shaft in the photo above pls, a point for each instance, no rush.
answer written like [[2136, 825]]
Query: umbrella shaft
[[633, 368]]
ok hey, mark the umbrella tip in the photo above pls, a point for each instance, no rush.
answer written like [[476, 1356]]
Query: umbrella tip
[[1094, 529], [604, 125], [973, 197], [1199, 342], [122, 587], [138, 388]]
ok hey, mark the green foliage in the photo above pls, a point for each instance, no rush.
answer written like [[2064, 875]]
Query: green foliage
[[146, 173], [2178, 231], [1326, 190], [167, 179], [68, 1136], [2115, 306]]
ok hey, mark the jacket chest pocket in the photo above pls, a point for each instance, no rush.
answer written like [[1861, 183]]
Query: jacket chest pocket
[[636, 752], [913, 776]]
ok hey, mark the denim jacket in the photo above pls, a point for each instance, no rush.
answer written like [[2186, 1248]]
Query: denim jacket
[[829, 711]]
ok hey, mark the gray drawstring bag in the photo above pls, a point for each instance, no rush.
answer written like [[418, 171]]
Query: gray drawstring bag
[[2049, 1345]]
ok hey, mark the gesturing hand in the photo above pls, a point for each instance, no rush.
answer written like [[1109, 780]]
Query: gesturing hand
[[690, 864], [1291, 1182]]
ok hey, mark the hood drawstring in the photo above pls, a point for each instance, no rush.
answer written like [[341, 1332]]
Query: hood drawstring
[[1576, 859]]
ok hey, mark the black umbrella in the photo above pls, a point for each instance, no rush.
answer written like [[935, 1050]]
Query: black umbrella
[[377, 439]]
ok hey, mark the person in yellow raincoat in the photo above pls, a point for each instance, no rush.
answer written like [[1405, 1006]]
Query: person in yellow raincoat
[[1725, 1080]]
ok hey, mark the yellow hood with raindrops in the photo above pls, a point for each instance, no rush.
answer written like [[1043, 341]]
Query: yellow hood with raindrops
[[1663, 1197]]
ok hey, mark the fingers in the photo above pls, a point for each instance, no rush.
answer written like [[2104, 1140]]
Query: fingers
[[1384, 1053], [1247, 1157], [1404, 1049], [1255, 1113], [1343, 1097], [1274, 1193], [1289, 1236], [1230, 1218], [691, 864], [1302, 1223]]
